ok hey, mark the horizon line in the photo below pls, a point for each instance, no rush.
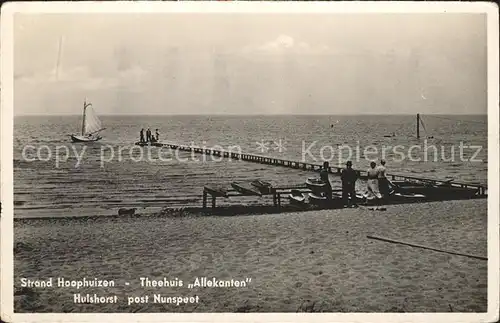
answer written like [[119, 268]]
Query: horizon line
[[253, 115]]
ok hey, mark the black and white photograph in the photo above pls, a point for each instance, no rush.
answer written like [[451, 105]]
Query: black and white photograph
[[239, 157]]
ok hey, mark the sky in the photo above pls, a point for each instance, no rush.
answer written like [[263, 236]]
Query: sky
[[194, 63]]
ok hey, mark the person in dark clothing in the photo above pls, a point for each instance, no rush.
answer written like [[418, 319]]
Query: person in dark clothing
[[323, 175], [157, 135], [141, 135], [349, 177], [148, 135]]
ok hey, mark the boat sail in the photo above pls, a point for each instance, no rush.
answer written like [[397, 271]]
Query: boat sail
[[91, 125]]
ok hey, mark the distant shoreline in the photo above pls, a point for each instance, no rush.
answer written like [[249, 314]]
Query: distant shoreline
[[254, 115]]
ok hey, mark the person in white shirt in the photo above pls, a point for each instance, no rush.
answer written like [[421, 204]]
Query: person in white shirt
[[383, 183], [372, 183]]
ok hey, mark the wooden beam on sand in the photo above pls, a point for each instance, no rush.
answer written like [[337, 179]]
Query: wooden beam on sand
[[428, 248]]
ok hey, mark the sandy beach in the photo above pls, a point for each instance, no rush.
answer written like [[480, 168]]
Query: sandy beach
[[320, 261], [135, 159]]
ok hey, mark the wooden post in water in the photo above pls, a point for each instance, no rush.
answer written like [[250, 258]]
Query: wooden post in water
[[418, 126]]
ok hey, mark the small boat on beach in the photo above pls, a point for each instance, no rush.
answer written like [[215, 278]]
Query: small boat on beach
[[262, 186], [296, 197], [317, 199], [321, 200], [406, 183], [315, 182], [433, 191], [246, 188], [91, 126], [407, 197], [316, 185], [216, 190]]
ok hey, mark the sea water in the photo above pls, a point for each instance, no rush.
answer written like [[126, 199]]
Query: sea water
[[53, 174]]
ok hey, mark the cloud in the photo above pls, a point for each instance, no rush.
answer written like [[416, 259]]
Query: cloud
[[280, 43], [286, 44], [81, 77]]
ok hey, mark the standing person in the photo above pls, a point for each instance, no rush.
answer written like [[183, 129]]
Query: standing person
[[349, 177], [141, 135], [383, 183], [323, 175], [148, 135], [157, 135], [372, 184]]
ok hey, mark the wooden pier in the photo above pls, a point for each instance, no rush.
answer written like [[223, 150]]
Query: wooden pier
[[335, 170]]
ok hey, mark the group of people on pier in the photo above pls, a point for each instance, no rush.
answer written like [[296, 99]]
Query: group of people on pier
[[377, 183], [150, 137]]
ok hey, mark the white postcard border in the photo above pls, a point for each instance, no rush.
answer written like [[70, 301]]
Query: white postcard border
[[6, 225]]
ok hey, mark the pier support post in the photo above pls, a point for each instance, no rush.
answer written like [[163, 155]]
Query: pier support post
[[204, 199], [213, 201]]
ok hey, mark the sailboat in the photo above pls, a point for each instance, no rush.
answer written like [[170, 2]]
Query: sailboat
[[91, 125], [421, 122]]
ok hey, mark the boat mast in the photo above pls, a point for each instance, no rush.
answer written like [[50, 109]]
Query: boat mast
[[59, 57], [418, 126]]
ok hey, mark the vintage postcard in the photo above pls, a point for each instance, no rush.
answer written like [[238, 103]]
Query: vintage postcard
[[249, 161]]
